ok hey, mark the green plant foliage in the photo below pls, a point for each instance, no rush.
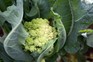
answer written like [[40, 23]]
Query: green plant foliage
[[68, 18]]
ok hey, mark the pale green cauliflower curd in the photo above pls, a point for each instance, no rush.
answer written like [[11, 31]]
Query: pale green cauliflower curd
[[40, 33]]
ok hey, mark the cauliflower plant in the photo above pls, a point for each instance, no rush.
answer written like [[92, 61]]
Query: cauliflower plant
[[40, 33]]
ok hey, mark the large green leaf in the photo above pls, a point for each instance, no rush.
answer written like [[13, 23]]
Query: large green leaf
[[12, 46], [82, 20], [77, 9], [72, 44], [63, 8], [46, 51], [60, 29], [4, 55]]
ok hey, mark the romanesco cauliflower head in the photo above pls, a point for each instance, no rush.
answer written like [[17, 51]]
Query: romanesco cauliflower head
[[40, 33]]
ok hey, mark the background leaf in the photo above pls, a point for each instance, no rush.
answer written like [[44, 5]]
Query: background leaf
[[2, 20], [44, 7], [4, 4], [37, 8]]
